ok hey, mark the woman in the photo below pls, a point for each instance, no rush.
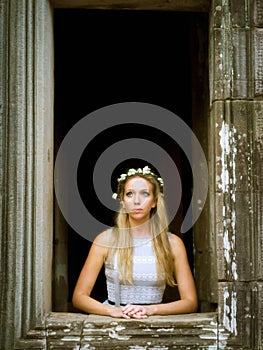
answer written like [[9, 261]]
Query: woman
[[141, 257]]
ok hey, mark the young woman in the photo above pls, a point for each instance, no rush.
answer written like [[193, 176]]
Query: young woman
[[141, 257]]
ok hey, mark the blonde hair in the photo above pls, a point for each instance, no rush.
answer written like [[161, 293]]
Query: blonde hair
[[121, 240]]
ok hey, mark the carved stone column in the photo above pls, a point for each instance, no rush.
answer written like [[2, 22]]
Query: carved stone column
[[236, 92], [26, 70]]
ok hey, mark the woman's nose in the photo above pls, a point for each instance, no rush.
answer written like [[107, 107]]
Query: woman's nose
[[137, 198]]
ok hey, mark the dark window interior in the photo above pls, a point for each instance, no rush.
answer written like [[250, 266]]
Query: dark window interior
[[104, 57]]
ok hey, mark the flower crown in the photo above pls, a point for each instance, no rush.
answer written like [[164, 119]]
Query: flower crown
[[131, 172]]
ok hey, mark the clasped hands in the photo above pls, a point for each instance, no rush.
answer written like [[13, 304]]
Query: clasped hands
[[134, 311]]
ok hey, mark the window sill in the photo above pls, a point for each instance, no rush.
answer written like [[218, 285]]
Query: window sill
[[190, 331]]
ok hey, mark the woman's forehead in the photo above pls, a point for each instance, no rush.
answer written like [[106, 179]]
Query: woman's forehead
[[138, 182]]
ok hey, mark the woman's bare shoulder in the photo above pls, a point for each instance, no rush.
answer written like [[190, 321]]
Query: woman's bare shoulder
[[175, 238], [102, 239], [177, 243]]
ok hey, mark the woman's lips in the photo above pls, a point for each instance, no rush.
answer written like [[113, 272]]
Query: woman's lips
[[137, 210]]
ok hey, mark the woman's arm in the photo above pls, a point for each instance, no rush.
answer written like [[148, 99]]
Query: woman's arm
[[188, 297], [88, 276]]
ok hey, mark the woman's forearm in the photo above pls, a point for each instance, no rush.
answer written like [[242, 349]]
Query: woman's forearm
[[87, 304], [173, 308]]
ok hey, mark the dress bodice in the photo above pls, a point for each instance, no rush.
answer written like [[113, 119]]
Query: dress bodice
[[147, 288]]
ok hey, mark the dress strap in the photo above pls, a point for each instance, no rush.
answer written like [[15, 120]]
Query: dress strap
[[116, 288]]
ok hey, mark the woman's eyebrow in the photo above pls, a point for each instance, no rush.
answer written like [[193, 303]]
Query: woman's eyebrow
[[141, 189]]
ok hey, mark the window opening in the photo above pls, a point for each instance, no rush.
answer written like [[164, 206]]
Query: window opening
[[143, 56]]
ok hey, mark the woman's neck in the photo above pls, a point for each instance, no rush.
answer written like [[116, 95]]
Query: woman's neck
[[142, 230]]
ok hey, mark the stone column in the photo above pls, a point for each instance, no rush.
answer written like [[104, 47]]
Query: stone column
[[26, 76], [236, 92]]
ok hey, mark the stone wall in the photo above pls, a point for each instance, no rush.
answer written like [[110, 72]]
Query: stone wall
[[235, 159], [236, 129]]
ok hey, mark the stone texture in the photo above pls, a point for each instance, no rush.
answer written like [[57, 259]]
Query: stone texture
[[27, 194], [178, 5], [236, 163], [195, 331]]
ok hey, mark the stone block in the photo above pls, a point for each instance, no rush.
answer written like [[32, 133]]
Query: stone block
[[236, 314], [258, 59], [258, 13]]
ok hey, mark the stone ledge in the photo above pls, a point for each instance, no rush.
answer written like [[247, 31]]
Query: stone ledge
[[80, 331], [174, 5]]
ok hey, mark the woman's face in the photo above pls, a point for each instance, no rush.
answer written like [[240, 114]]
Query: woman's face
[[138, 199]]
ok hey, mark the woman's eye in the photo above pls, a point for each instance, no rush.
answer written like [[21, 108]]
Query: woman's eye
[[146, 194], [129, 194]]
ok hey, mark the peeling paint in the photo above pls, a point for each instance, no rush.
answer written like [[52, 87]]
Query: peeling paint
[[113, 332], [158, 335], [52, 333], [87, 346], [138, 347], [228, 155], [71, 338], [225, 150], [147, 330], [227, 183], [93, 338], [165, 330], [211, 334], [230, 311], [157, 347], [115, 335]]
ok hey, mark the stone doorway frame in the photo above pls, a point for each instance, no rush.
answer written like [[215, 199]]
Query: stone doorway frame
[[236, 90], [204, 242]]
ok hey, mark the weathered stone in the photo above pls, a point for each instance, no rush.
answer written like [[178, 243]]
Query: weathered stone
[[102, 332], [258, 13], [239, 313], [258, 68], [178, 5], [235, 199]]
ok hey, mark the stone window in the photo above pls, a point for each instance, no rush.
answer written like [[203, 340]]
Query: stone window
[[160, 64], [226, 116]]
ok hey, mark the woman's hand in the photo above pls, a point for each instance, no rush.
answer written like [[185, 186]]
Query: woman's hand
[[134, 311], [114, 311]]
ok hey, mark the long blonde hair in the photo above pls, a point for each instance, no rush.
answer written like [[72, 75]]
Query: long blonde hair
[[121, 240]]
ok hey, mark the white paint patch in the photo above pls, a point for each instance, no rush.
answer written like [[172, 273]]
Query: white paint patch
[[114, 335], [138, 347], [211, 333], [71, 338], [165, 330], [227, 183], [230, 311], [225, 150], [228, 154]]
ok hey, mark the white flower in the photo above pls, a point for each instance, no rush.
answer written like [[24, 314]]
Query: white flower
[[131, 172], [122, 177], [114, 196], [160, 180], [146, 170]]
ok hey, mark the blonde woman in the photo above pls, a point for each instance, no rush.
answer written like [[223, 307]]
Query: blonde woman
[[141, 257]]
